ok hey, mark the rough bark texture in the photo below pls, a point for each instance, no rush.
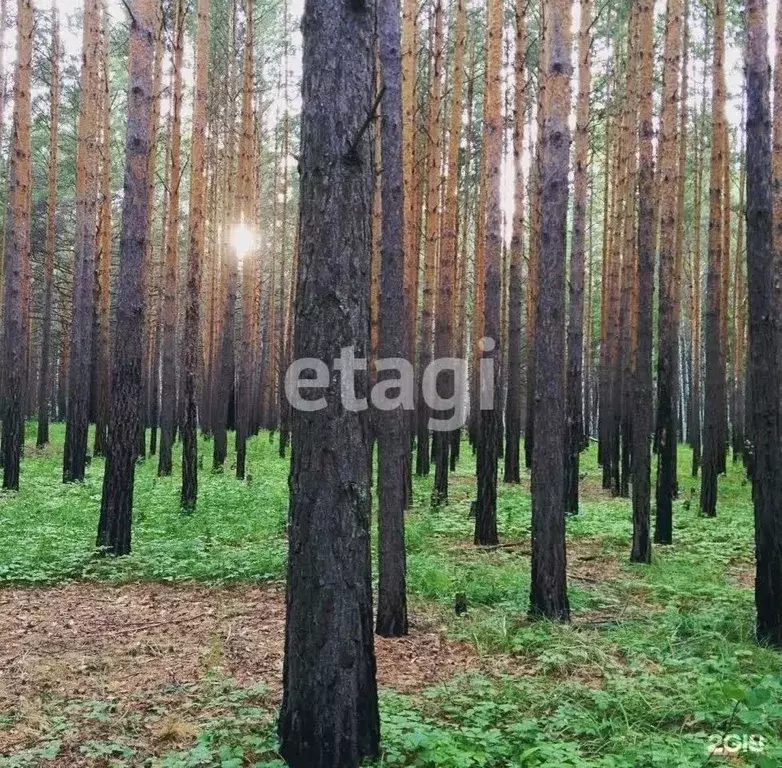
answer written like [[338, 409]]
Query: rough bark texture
[[150, 369], [625, 243], [642, 411], [114, 527], [224, 382], [44, 383], [431, 238], [763, 351], [714, 415], [684, 371], [515, 300], [444, 318], [548, 590], [695, 430], [739, 327], [16, 275], [168, 375], [533, 289], [75, 452], [284, 345], [244, 210], [194, 259], [391, 432], [329, 716], [408, 167], [575, 339], [489, 415], [3, 83], [667, 385], [776, 179], [102, 300]]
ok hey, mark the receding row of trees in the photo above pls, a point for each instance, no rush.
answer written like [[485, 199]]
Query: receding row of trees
[[401, 242]]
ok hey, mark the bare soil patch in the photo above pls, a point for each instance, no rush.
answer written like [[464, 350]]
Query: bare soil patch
[[150, 647]]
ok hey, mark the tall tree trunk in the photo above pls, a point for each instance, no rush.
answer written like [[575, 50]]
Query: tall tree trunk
[[479, 296], [391, 432], [533, 289], [329, 716], [114, 527], [17, 255], [431, 237], [463, 229], [224, 389], [667, 384], [194, 259], [548, 589], [150, 369], [168, 375], [489, 344], [642, 410], [283, 406], [102, 301], [75, 453], [695, 433], [44, 383], [3, 86], [715, 381], [681, 354], [764, 375], [739, 326], [244, 211], [627, 285], [575, 341], [412, 212], [776, 180], [515, 304], [588, 318], [444, 318], [158, 297]]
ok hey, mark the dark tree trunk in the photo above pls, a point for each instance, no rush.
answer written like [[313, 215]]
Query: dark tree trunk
[[548, 589], [575, 337], [224, 405], [114, 527], [763, 351], [444, 339], [17, 257], [44, 383], [667, 384], [431, 236], [392, 438], [714, 394], [63, 363], [168, 407], [642, 410], [101, 347], [515, 300], [244, 213], [154, 386], [194, 259], [329, 716], [489, 429], [75, 452], [696, 352]]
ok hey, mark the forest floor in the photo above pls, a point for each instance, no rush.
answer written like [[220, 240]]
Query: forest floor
[[172, 657]]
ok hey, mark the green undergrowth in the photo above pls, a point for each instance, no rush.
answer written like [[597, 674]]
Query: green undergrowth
[[658, 664]]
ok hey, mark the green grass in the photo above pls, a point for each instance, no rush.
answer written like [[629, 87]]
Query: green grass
[[657, 660], [48, 529]]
